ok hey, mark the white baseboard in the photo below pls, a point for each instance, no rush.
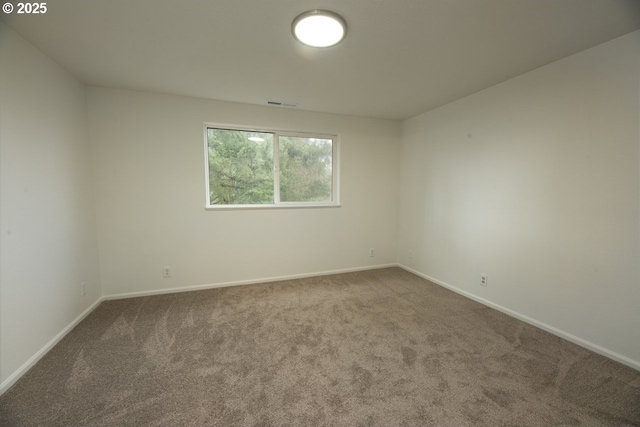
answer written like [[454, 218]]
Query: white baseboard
[[555, 331], [243, 282], [6, 384]]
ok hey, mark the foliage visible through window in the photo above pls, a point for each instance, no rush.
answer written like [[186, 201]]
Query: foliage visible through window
[[240, 169], [269, 168], [305, 169]]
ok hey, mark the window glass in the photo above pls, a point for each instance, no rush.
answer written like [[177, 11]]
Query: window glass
[[258, 168], [305, 169], [240, 167]]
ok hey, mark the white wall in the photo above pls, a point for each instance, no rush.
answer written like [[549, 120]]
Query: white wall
[[535, 182], [150, 194], [48, 241]]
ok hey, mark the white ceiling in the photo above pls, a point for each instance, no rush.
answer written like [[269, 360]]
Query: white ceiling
[[400, 58]]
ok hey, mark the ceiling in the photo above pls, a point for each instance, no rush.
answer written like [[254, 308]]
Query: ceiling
[[400, 57]]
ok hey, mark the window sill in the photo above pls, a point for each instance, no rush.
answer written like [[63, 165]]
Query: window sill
[[279, 206]]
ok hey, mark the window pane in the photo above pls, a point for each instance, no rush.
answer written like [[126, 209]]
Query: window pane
[[305, 169], [240, 167]]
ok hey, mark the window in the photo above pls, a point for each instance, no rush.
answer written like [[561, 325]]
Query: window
[[262, 168]]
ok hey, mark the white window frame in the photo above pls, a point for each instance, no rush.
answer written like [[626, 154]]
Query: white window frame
[[335, 168]]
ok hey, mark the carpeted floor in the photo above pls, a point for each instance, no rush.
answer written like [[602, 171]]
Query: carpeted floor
[[374, 348]]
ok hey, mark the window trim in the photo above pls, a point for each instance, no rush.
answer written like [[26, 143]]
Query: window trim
[[335, 168]]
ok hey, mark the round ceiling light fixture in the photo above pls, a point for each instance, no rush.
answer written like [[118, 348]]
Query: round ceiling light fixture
[[319, 28]]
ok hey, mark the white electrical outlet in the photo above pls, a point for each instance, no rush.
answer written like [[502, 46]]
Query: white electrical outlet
[[83, 288], [166, 272], [410, 254], [372, 252], [484, 278]]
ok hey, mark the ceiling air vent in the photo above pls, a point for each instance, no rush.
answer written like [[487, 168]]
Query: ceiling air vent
[[283, 104]]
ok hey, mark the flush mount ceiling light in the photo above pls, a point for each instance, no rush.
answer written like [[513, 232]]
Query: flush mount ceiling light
[[319, 28]]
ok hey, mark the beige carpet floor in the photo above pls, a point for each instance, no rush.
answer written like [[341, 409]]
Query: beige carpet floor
[[374, 348]]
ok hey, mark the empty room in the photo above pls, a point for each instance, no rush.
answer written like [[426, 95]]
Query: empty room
[[320, 213]]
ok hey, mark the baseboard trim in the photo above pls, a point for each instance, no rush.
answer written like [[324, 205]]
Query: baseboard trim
[[555, 331], [244, 282], [15, 376]]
